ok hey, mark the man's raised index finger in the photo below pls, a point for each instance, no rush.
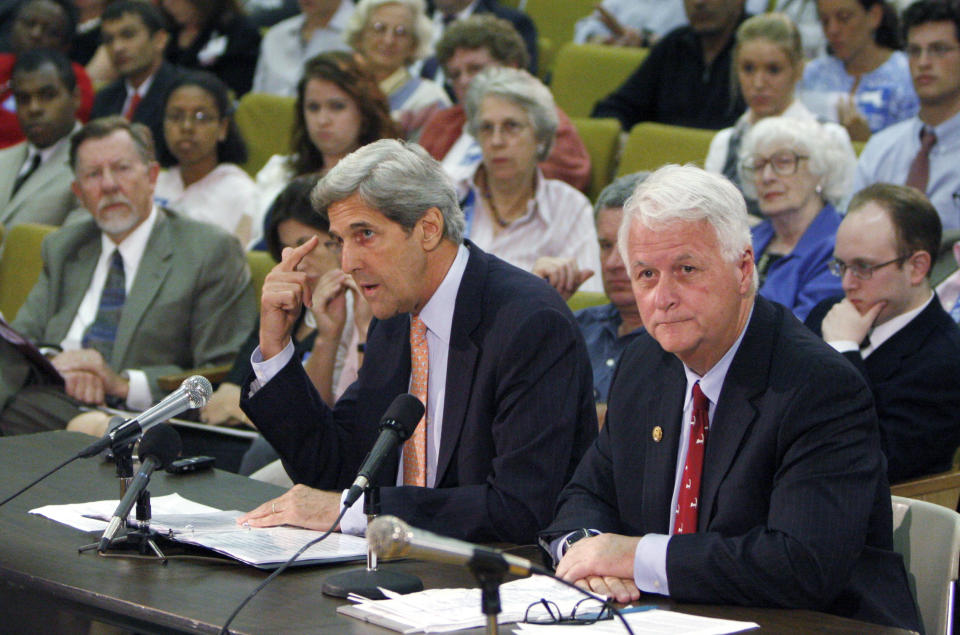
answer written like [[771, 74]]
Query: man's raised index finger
[[292, 256]]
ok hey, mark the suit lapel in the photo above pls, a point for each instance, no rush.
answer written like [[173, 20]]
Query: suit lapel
[[736, 412], [886, 360], [461, 357], [77, 273], [48, 172], [154, 265], [660, 457]]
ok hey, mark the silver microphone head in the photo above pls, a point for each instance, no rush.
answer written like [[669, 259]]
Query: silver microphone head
[[198, 389], [389, 537]]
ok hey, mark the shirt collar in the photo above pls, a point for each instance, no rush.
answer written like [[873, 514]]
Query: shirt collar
[[888, 329], [437, 313], [140, 90], [711, 383], [397, 79], [49, 151]]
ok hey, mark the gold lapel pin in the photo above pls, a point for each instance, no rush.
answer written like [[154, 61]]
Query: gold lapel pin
[[657, 434]]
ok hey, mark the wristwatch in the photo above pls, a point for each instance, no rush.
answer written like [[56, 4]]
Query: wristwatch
[[579, 534]]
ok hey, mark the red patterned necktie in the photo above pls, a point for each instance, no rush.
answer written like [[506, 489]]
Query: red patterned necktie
[[688, 498], [415, 448], [919, 173], [132, 107]]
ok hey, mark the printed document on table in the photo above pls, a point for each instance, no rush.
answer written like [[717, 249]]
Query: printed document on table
[[182, 520]]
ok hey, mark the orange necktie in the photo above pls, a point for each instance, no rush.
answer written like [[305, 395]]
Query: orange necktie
[[415, 448]]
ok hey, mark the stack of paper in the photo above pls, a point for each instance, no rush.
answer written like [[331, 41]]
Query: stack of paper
[[445, 610]]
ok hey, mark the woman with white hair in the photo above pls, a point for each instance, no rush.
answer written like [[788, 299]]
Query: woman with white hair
[[390, 35], [798, 172], [767, 64], [539, 224]]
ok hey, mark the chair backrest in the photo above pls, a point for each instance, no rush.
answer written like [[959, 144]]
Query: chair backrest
[[554, 19], [651, 145], [928, 538], [20, 265], [265, 122], [944, 263], [260, 265], [584, 299], [602, 139], [583, 74]]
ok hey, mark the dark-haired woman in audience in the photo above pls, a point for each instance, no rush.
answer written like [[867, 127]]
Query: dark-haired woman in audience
[[214, 35], [202, 178], [327, 335], [390, 35], [798, 172], [767, 64], [864, 81], [338, 109], [512, 211]]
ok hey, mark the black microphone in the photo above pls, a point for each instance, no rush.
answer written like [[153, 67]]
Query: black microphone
[[390, 537], [396, 426], [159, 446], [192, 393]]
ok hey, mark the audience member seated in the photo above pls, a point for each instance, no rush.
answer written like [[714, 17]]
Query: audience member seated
[[202, 179], [468, 47], [500, 366], [798, 172], [215, 36], [339, 108], [390, 35], [448, 12], [922, 151], [630, 22], [767, 64], [608, 329], [35, 174], [512, 210], [266, 13], [288, 45], [328, 336], [39, 24], [892, 328], [863, 81], [685, 80], [774, 494], [130, 294], [135, 36], [804, 14]]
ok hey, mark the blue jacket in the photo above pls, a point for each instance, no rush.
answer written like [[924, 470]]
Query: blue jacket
[[801, 279]]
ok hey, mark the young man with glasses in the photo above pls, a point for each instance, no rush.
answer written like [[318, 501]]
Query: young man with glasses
[[891, 326], [921, 151]]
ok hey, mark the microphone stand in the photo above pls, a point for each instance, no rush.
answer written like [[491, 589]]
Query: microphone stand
[[489, 571], [142, 537], [365, 581]]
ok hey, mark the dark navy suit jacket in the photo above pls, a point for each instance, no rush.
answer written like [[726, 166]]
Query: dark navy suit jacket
[[794, 503], [518, 411], [915, 380]]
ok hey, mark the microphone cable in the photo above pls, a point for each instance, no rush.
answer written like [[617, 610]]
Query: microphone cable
[[225, 630], [34, 482]]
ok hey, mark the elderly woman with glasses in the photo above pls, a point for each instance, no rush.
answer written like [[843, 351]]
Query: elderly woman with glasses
[[390, 35], [538, 224], [798, 171]]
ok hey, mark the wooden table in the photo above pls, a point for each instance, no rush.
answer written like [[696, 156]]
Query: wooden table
[[46, 586]]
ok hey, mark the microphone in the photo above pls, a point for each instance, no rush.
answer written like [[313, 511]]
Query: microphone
[[397, 424], [159, 446], [192, 393], [390, 537]]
